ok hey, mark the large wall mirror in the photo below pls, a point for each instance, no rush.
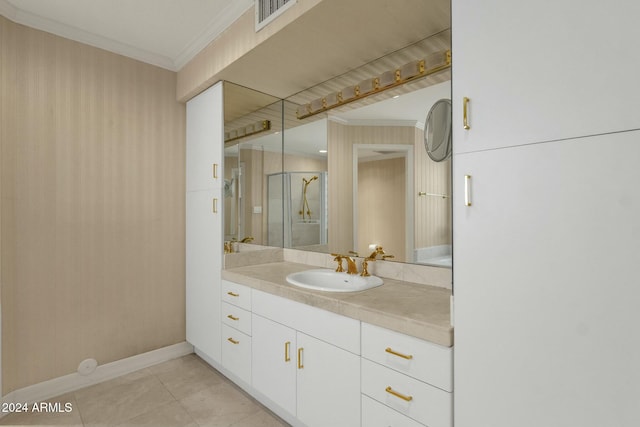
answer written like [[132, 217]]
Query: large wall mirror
[[253, 151], [352, 176]]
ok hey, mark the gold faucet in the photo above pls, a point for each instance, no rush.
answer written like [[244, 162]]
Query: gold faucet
[[352, 267], [228, 249], [247, 239], [373, 257]]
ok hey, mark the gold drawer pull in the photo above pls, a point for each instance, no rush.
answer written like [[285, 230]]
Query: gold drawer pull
[[232, 317], [233, 294], [300, 365], [465, 115], [215, 171], [396, 394], [395, 353], [232, 341], [287, 356]]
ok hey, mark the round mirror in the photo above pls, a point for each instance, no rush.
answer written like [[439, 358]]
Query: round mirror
[[437, 131]]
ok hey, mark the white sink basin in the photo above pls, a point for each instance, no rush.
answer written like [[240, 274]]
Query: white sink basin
[[323, 279]]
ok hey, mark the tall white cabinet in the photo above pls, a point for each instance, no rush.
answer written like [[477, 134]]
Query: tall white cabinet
[[205, 145], [546, 228]]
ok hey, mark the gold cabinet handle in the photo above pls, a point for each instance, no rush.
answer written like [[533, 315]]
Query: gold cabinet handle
[[287, 356], [215, 171], [233, 294], [400, 395], [465, 115], [232, 341], [467, 190], [232, 317], [300, 365], [215, 205], [395, 353]]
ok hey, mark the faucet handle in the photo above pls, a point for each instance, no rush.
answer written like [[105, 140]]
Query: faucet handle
[[339, 259], [388, 256]]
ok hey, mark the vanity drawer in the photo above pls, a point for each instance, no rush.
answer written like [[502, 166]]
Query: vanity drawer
[[236, 353], [236, 294], [424, 403], [420, 359], [375, 414], [236, 317]]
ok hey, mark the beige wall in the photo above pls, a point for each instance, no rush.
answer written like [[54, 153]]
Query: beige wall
[[92, 205]]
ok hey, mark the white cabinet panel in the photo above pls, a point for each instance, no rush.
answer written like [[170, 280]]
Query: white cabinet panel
[[328, 384], [236, 353], [415, 399], [205, 137], [375, 414], [236, 317], [546, 289], [425, 361], [341, 331], [202, 266], [541, 71], [274, 359], [236, 294]]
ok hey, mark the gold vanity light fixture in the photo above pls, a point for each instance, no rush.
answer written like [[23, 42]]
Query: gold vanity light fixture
[[252, 129], [431, 64]]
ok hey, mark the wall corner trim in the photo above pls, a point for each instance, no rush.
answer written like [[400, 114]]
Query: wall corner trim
[[68, 383]]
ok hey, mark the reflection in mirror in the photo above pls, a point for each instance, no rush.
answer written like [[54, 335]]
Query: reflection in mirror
[[253, 150], [304, 213], [382, 187], [437, 131]]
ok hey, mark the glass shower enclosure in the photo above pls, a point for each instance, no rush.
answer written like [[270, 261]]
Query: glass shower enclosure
[[297, 215]]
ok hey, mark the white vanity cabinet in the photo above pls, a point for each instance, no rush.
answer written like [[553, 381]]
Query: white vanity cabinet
[[545, 289], [306, 360], [405, 380], [546, 240], [542, 71], [203, 237], [235, 316]]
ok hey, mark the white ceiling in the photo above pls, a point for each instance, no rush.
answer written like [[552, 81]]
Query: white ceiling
[[166, 33]]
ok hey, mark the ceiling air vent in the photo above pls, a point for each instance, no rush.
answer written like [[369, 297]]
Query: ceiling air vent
[[268, 10]]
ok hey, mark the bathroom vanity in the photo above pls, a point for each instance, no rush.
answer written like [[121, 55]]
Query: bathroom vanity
[[373, 358]]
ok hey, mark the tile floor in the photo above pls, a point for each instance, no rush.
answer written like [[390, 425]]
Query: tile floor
[[185, 392]]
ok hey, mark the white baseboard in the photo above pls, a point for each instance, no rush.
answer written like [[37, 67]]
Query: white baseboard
[[68, 383]]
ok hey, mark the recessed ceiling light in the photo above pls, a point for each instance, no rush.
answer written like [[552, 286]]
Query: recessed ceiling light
[[322, 151], [396, 96]]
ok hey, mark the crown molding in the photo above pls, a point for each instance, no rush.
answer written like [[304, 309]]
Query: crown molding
[[47, 25], [8, 10], [214, 28]]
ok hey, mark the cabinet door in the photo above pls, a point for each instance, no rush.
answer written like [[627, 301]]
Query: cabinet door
[[540, 71], [274, 362], [328, 384], [236, 353], [203, 268], [205, 139], [546, 289]]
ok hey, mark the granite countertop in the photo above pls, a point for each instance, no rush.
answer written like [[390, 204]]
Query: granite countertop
[[418, 310]]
